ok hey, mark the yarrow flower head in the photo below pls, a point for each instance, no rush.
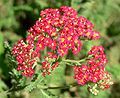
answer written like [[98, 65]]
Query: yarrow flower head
[[94, 70], [26, 57], [57, 32], [60, 30]]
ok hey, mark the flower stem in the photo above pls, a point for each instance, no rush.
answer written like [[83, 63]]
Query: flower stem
[[74, 61], [60, 87]]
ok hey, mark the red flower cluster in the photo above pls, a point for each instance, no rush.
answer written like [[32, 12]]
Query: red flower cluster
[[59, 30], [49, 64], [94, 69], [26, 57]]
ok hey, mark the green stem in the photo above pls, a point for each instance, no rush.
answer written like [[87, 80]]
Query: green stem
[[74, 61], [59, 87]]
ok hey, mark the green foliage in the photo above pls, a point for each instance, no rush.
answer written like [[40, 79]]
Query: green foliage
[[34, 84], [7, 15], [18, 15], [2, 87], [56, 79], [1, 44]]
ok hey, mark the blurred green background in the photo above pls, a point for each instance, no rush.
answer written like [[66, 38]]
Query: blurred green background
[[17, 16]]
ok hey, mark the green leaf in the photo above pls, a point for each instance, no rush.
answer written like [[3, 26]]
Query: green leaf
[[23, 7], [114, 55], [42, 3], [2, 87], [14, 37], [56, 78], [75, 4], [39, 93], [33, 84], [1, 43]]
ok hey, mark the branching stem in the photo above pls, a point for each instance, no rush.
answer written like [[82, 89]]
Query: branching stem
[[74, 61]]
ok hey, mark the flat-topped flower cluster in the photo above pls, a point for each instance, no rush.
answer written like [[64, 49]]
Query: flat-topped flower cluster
[[94, 69], [60, 30]]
